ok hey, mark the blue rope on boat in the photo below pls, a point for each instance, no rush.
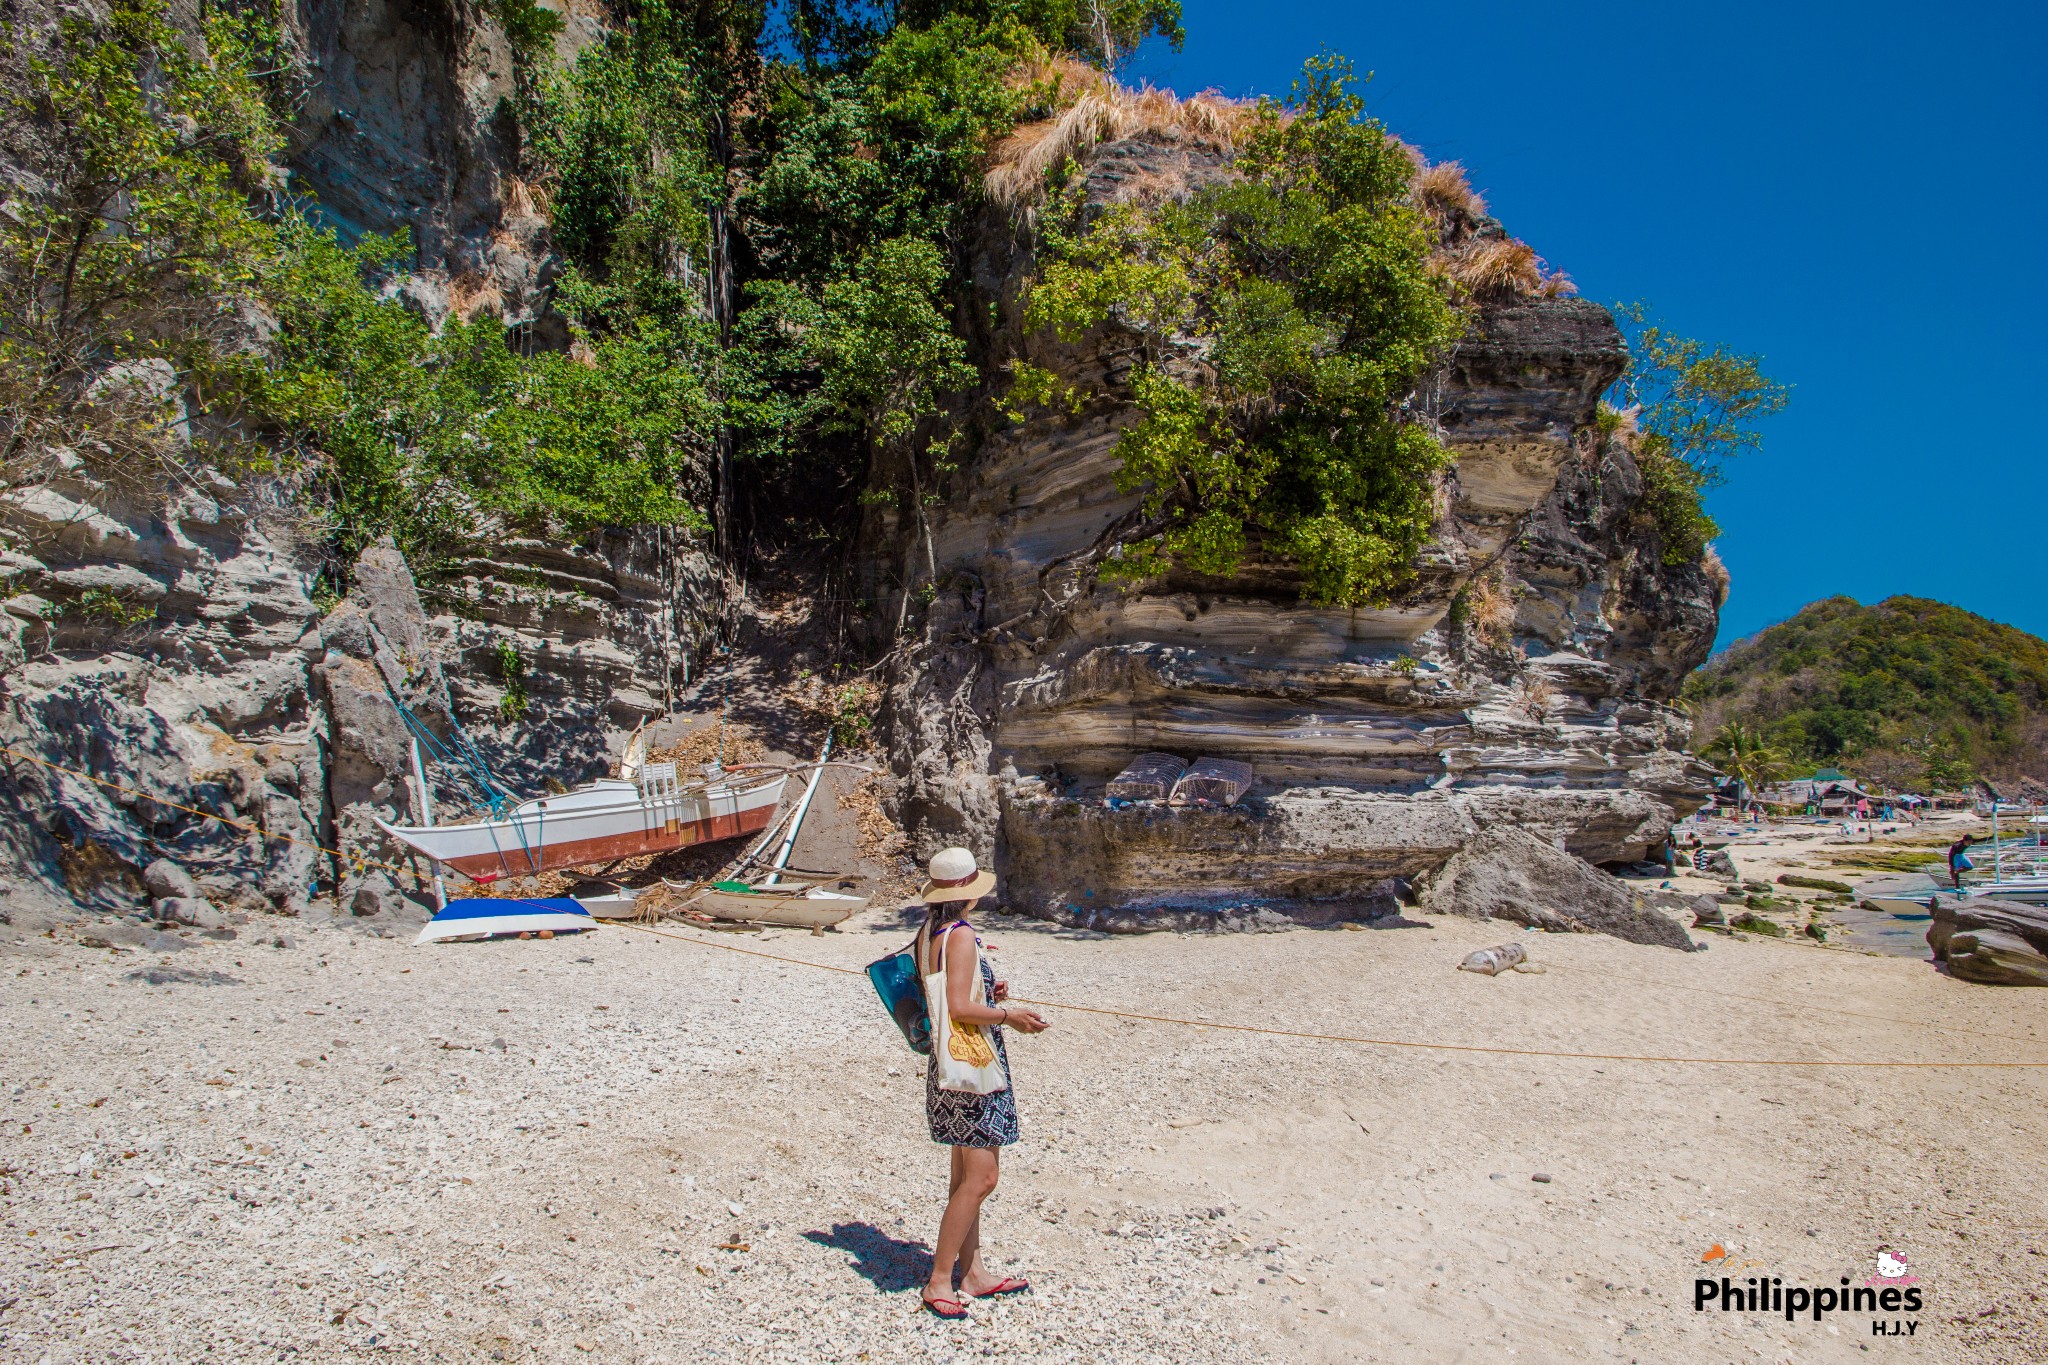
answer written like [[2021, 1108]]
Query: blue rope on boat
[[483, 786]]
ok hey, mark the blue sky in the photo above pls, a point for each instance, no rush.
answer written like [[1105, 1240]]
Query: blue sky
[[1855, 192]]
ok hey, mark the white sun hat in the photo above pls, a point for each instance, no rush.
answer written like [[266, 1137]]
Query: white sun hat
[[954, 877]]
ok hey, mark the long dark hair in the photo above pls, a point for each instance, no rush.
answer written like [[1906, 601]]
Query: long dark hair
[[937, 913]]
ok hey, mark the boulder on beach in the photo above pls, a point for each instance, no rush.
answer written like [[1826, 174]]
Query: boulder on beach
[[1508, 873], [1715, 862], [1998, 943]]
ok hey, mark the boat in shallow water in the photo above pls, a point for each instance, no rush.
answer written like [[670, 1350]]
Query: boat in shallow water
[[600, 821], [2031, 889]]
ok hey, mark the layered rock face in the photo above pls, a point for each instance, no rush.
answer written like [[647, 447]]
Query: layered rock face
[[167, 649], [176, 652], [173, 646], [407, 124], [1383, 738]]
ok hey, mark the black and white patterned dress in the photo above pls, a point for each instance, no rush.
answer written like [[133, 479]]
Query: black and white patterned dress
[[957, 1118]]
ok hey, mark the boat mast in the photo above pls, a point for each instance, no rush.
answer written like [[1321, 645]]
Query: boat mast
[[419, 778], [1997, 853]]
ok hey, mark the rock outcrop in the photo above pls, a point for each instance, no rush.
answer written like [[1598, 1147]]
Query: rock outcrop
[[1384, 738], [164, 647], [407, 123], [1507, 873], [1999, 943]]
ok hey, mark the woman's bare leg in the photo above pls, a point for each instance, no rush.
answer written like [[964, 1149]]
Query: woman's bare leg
[[974, 1277], [968, 1269], [974, 1179]]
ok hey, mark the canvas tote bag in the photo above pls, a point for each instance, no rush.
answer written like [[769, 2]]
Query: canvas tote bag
[[965, 1053]]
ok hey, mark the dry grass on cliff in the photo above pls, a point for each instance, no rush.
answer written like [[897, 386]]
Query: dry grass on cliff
[[1504, 268], [1717, 574], [1093, 108], [1473, 252], [1443, 192], [1490, 607]]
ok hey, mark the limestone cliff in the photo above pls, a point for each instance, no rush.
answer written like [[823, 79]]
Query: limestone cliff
[[1522, 678], [181, 649], [407, 123]]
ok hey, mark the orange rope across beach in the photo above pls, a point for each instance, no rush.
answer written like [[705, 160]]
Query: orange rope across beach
[[1372, 1042], [1109, 1013], [1720, 994]]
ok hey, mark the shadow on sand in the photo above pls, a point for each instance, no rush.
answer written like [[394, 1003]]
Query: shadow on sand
[[887, 1263]]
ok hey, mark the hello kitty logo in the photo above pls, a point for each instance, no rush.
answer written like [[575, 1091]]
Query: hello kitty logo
[[1892, 1269]]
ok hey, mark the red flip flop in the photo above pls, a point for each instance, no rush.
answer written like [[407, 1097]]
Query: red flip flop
[[1008, 1285], [932, 1306]]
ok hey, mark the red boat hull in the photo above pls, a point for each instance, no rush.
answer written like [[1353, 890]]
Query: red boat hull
[[521, 862]]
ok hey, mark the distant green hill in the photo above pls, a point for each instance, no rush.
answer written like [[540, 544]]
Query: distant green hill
[[1909, 691]]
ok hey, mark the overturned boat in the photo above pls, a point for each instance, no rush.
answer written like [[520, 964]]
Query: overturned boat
[[600, 821], [467, 921]]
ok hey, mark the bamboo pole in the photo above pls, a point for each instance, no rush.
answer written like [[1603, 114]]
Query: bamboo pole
[[796, 819], [419, 777]]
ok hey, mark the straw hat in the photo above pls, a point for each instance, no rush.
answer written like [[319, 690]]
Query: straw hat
[[954, 877]]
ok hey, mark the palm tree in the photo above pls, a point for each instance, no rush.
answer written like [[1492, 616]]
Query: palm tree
[[1744, 754]]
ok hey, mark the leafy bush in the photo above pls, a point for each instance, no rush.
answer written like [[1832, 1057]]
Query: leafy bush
[[109, 608], [512, 703], [528, 27], [1106, 32], [1672, 495], [438, 439], [131, 244], [618, 148], [1307, 282], [852, 713]]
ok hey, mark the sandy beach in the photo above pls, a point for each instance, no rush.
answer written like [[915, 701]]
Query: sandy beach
[[623, 1147]]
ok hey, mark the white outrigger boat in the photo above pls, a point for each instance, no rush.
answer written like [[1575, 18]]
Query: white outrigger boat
[[789, 905], [2029, 890], [600, 821], [2026, 881]]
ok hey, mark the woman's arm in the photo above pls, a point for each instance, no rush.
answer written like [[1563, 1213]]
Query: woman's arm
[[962, 967]]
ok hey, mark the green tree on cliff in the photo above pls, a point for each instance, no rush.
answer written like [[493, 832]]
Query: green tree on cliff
[[1695, 407], [128, 260]]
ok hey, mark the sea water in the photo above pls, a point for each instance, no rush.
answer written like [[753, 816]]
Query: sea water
[[1887, 933]]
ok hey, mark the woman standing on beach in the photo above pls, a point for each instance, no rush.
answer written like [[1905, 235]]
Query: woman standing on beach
[[976, 1127]]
